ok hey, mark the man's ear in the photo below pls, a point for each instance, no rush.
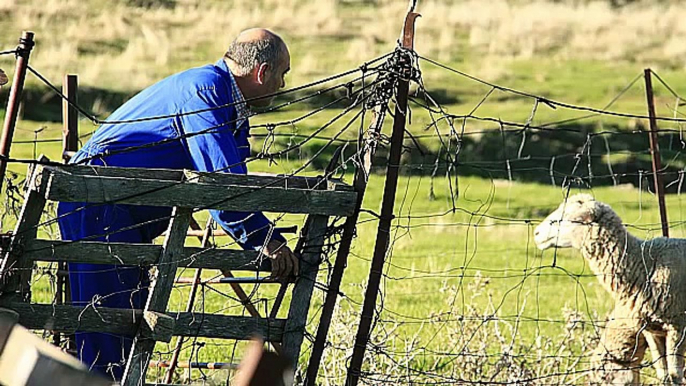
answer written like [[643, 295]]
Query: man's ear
[[261, 73]]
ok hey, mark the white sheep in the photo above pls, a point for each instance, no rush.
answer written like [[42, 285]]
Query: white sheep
[[647, 279], [618, 356]]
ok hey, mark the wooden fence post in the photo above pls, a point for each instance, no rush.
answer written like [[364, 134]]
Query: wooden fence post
[[160, 290], [294, 331], [70, 117], [70, 144], [138, 186], [204, 243]]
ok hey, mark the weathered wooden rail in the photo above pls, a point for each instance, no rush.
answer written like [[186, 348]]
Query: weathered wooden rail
[[26, 359], [185, 191]]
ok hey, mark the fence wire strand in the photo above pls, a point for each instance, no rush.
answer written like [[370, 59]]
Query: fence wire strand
[[466, 297]]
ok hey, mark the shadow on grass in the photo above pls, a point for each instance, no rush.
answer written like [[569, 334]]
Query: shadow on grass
[[575, 154], [43, 105]]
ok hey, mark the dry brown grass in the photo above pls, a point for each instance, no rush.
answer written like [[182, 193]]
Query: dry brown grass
[[127, 47], [120, 46], [476, 345]]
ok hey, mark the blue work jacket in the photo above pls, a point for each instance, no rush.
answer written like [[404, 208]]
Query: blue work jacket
[[215, 139]]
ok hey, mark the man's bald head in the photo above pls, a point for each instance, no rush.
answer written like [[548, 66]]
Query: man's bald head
[[259, 61], [256, 34], [253, 47]]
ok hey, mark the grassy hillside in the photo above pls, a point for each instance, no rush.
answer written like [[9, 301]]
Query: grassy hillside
[[466, 295]]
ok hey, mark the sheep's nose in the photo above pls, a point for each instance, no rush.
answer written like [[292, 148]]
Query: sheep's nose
[[537, 232]]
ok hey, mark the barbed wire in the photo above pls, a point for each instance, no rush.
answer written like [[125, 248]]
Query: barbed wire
[[363, 68], [547, 101], [472, 335], [356, 102], [446, 274]]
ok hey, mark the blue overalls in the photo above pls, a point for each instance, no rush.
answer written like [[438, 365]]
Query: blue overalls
[[223, 148]]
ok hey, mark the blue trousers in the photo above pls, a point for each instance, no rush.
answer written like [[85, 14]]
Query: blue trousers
[[114, 286]]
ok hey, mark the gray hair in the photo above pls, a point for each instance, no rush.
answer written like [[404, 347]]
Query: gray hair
[[249, 55]]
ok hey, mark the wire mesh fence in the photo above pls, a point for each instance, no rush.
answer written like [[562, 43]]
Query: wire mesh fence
[[466, 297]]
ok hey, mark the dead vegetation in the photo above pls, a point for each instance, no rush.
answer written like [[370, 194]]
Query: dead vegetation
[[129, 44]]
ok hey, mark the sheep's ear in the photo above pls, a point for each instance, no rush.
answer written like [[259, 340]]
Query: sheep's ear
[[590, 211], [584, 199]]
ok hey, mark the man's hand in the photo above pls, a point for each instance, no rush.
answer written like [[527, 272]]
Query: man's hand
[[284, 261]]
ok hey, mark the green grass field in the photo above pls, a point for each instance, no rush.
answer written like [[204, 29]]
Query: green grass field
[[466, 295]]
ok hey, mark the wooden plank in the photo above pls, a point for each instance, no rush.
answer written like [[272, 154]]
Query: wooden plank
[[15, 270], [270, 180], [160, 291], [8, 314], [110, 171], [156, 326], [302, 291], [255, 179], [190, 302], [228, 327], [172, 252], [70, 145], [92, 252], [26, 359], [69, 319], [72, 188], [97, 252]]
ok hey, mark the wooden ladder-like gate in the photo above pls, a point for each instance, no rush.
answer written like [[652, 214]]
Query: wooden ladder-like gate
[[184, 191]]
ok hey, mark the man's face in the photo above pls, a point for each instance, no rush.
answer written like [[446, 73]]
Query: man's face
[[274, 80]]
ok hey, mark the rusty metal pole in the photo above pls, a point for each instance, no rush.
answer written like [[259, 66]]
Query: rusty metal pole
[[26, 43], [386, 217], [655, 153], [360, 184]]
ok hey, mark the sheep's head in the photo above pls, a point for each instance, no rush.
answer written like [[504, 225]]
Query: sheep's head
[[618, 367], [569, 224], [609, 373]]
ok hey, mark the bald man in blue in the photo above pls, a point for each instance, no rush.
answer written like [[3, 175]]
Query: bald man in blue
[[206, 129]]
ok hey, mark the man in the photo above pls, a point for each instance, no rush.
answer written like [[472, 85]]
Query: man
[[205, 128]]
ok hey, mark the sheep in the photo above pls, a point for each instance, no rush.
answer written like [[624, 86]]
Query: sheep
[[646, 278], [617, 358]]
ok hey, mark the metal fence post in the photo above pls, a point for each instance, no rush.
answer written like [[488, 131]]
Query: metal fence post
[[655, 153], [386, 217], [26, 43]]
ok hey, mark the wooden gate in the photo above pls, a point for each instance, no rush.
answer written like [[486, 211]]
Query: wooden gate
[[184, 191]]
